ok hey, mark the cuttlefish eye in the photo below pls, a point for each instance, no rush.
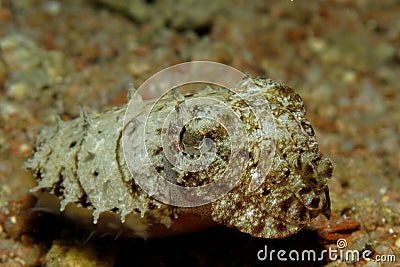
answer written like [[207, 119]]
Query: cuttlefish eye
[[194, 138]]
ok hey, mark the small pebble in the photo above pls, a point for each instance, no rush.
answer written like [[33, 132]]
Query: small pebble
[[385, 198], [52, 7], [349, 76], [25, 149]]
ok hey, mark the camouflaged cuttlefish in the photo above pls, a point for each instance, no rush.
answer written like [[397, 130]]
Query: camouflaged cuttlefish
[[81, 162]]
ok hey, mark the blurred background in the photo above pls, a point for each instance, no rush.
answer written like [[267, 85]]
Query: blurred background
[[343, 57]]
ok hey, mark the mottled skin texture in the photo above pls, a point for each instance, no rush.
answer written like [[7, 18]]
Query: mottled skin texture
[[295, 189], [81, 162]]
